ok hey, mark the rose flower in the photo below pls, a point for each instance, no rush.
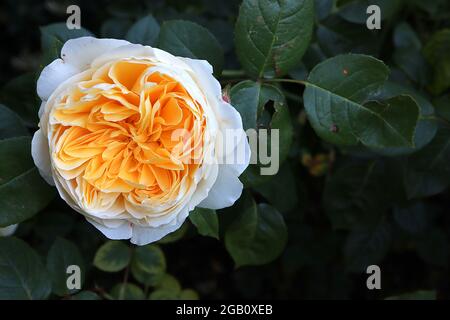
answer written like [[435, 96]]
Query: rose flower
[[135, 138]]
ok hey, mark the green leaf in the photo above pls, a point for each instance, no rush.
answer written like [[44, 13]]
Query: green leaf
[[62, 254], [337, 102], [167, 288], [336, 36], [10, 124], [169, 282], [416, 295], [436, 52], [150, 258], [257, 235], [113, 256], [86, 295], [188, 294], [408, 54], [23, 192], [164, 294], [206, 222], [427, 172], [53, 36], [367, 246], [426, 127], [22, 274], [148, 265], [20, 95], [323, 8], [406, 37], [249, 99], [396, 124], [115, 28], [145, 31], [127, 291], [272, 36], [146, 278], [188, 39], [281, 120]]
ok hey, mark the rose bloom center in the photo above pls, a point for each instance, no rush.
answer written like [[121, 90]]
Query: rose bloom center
[[127, 136]]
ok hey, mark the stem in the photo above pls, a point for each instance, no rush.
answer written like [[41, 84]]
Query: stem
[[233, 73], [125, 281]]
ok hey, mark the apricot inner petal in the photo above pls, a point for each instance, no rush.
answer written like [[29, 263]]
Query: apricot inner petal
[[125, 138]]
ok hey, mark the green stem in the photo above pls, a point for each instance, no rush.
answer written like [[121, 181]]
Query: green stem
[[125, 281]]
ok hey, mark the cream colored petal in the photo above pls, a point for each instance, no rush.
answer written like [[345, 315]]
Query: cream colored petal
[[227, 116], [80, 52], [226, 189], [127, 51], [116, 232], [52, 76], [145, 235], [41, 156], [239, 159]]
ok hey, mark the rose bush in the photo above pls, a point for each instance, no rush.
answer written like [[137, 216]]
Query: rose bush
[[131, 135], [110, 139]]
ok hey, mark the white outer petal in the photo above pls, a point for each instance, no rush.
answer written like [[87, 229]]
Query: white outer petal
[[52, 76], [120, 232], [8, 231], [242, 152], [42, 109], [76, 56], [225, 191], [80, 52], [41, 156], [128, 51], [145, 235], [227, 116]]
